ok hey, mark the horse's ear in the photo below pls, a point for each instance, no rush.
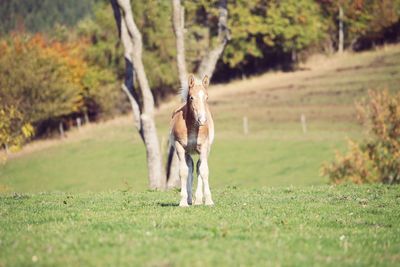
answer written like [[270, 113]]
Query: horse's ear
[[206, 81], [191, 81]]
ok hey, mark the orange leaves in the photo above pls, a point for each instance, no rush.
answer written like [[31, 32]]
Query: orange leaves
[[68, 56], [53, 72], [377, 158]]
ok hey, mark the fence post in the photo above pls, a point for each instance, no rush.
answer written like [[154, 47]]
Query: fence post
[[78, 123], [245, 125], [61, 128], [303, 123], [87, 121]]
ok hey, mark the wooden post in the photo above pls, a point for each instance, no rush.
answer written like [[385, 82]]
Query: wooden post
[[303, 123], [341, 34], [78, 123], [245, 125], [61, 128], [87, 121]]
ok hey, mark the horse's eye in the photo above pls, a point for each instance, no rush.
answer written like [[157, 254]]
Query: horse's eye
[[191, 97]]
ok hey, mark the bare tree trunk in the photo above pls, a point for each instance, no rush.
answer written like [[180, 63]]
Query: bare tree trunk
[[178, 22], [178, 15], [207, 67], [341, 34], [353, 43], [209, 62], [143, 114]]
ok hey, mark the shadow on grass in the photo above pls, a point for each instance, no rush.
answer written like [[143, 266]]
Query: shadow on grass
[[168, 204]]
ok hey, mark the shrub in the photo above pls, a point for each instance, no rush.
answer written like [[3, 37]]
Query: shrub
[[38, 80], [377, 157], [13, 130], [47, 81]]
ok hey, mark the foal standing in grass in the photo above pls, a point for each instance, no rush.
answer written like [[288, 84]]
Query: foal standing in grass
[[193, 132]]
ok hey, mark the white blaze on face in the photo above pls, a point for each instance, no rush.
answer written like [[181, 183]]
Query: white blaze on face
[[202, 116]]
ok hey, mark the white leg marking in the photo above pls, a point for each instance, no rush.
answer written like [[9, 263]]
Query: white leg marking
[[183, 174], [204, 174], [199, 190]]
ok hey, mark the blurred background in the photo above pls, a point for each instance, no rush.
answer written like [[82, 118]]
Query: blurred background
[[283, 92]]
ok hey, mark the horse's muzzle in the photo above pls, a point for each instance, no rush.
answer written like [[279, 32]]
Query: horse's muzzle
[[202, 121]]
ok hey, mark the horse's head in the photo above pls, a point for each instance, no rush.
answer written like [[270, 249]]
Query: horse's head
[[197, 98]]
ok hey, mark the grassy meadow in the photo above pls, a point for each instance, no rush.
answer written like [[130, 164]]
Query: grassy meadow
[[84, 200], [284, 226], [276, 152]]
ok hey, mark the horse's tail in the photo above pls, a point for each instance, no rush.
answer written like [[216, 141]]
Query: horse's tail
[[171, 151]]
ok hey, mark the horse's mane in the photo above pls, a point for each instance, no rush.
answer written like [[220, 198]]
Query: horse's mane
[[184, 93], [178, 109], [185, 89]]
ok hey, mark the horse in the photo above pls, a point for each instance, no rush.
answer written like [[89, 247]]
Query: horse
[[192, 132]]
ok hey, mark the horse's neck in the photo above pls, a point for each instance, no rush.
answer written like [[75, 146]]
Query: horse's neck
[[190, 120], [191, 124]]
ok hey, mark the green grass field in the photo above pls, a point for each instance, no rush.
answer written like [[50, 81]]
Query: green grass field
[[293, 226], [275, 153], [83, 200]]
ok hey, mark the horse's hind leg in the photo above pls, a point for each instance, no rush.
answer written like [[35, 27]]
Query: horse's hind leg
[[183, 174], [189, 162]]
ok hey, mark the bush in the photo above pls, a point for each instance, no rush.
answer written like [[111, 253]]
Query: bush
[[48, 81], [13, 130], [377, 157], [38, 80]]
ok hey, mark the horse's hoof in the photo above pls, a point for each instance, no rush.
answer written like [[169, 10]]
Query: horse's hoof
[[209, 203], [183, 204], [197, 203]]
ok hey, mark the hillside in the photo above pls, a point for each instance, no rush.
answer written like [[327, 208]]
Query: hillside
[[276, 152], [41, 16]]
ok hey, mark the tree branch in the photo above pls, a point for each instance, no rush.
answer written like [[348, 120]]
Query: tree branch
[[136, 36], [135, 110], [209, 62]]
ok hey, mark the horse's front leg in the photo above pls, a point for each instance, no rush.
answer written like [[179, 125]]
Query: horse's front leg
[[203, 170], [189, 163], [199, 190], [183, 174]]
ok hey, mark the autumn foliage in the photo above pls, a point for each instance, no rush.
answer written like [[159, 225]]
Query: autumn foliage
[[42, 80], [377, 157]]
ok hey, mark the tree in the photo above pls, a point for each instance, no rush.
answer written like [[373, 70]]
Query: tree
[[350, 23], [48, 81], [209, 62], [143, 104], [263, 27], [13, 130], [39, 80], [39, 16]]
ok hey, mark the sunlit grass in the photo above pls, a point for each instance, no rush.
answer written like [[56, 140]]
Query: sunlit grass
[[285, 226], [276, 152]]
